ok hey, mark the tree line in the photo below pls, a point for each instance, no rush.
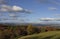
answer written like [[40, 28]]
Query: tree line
[[13, 32]]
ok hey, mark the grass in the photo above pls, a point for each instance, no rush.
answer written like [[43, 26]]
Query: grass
[[45, 35]]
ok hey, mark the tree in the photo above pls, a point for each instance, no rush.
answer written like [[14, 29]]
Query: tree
[[30, 29]]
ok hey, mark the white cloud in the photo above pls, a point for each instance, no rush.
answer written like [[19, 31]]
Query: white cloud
[[49, 2], [17, 8], [12, 15], [52, 8], [49, 19], [6, 8], [57, 14], [55, 2], [4, 18]]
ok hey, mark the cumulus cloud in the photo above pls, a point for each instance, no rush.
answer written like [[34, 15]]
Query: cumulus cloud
[[49, 19], [52, 8], [17, 8], [13, 15], [6, 8]]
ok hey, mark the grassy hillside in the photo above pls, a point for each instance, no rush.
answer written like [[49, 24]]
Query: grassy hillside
[[45, 35]]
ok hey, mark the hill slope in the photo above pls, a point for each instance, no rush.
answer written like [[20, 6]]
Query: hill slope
[[45, 35]]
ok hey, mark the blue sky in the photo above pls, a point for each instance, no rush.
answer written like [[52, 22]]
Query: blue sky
[[39, 9]]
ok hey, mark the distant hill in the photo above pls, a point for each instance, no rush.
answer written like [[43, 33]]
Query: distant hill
[[34, 24]]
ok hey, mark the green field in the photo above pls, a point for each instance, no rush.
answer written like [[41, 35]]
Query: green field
[[44, 35]]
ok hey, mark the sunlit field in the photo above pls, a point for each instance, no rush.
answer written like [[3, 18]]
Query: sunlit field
[[45, 35]]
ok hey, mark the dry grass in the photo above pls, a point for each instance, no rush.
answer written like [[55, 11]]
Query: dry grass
[[45, 35]]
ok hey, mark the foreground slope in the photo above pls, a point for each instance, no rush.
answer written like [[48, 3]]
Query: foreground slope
[[45, 35]]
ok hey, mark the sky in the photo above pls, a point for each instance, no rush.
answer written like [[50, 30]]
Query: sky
[[31, 11]]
